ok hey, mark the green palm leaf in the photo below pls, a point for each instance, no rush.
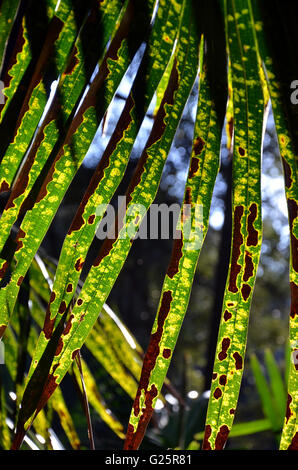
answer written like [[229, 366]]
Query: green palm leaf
[[285, 116], [110, 169], [67, 161], [248, 106], [192, 227], [61, 65]]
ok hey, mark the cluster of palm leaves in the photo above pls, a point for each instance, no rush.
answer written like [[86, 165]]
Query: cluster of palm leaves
[[243, 54]]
